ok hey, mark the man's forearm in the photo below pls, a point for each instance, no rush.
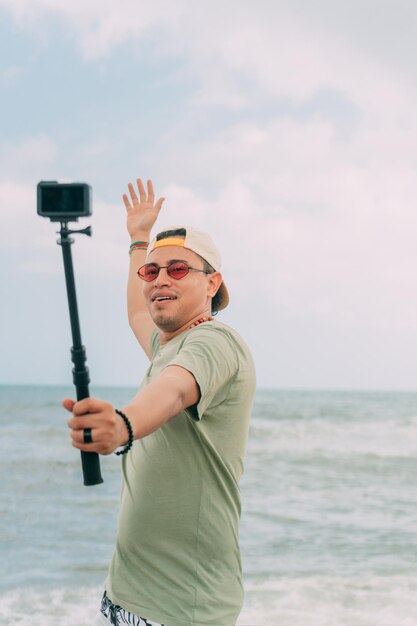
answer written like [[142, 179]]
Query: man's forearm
[[172, 392], [135, 300]]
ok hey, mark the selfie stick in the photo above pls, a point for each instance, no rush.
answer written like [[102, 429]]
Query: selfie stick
[[89, 460]]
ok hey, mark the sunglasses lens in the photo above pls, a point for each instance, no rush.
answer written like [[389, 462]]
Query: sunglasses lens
[[148, 272], [177, 270]]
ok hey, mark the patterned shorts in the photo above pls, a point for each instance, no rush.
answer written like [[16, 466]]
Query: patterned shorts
[[117, 616]]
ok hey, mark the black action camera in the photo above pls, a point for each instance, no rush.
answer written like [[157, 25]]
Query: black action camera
[[64, 202]]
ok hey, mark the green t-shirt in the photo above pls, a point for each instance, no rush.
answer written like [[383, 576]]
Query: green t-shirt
[[177, 558]]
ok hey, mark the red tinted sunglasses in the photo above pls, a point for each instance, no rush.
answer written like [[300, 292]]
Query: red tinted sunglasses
[[175, 269]]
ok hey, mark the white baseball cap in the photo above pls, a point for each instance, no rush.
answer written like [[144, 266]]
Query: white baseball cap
[[199, 242]]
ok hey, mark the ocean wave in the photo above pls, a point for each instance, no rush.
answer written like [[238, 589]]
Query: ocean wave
[[388, 437], [285, 601], [331, 601]]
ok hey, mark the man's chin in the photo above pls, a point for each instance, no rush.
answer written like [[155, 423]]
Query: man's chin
[[165, 322]]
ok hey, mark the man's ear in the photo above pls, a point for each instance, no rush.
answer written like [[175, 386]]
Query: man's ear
[[214, 281]]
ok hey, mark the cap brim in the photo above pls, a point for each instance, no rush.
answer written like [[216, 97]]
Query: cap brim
[[224, 297]]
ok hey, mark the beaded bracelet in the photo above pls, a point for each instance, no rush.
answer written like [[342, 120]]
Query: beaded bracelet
[[138, 245], [129, 444]]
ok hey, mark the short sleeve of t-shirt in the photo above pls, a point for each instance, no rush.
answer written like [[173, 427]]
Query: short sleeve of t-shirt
[[210, 354]]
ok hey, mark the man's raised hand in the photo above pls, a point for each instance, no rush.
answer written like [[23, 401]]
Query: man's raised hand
[[142, 212]]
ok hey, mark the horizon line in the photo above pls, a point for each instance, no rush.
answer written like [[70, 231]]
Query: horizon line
[[299, 389]]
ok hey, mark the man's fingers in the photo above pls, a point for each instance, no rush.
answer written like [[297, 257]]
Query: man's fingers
[[151, 195], [77, 436], [133, 194], [93, 447], [101, 441], [89, 405], [146, 199], [142, 192], [68, 404], [97, 416], [94, 421], [126, 201], [79, 423], [158, 205], [91, 413]]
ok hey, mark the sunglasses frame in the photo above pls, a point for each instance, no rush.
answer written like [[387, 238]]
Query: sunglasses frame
[[166, 267]]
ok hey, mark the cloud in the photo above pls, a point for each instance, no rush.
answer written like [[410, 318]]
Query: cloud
[[27, 158], [32, 239], [237, 53], [323, 227], [22, 232], [18, 218], [98, 25], [296, 148], [327, 223]]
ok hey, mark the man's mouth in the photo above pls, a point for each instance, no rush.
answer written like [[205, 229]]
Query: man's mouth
[[162, 298]]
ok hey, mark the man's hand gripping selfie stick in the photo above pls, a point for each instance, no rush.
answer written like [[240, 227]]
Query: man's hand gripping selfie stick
[[89, 460], [66, 202]]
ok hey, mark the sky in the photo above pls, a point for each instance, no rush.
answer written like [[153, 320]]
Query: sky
[[285, 129]]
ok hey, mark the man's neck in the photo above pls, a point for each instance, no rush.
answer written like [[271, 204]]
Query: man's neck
[[165, 336]]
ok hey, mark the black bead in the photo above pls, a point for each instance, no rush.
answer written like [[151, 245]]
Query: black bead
[[129, 430]]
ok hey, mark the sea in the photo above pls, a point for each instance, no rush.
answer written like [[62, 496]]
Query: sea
[[329, 521]]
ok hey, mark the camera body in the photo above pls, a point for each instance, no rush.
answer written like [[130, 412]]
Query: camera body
[[63, 202]]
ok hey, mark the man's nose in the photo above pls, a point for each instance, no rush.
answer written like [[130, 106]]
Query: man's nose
[[162, 278]]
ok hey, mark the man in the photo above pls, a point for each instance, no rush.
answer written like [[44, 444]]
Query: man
[[177, 559]]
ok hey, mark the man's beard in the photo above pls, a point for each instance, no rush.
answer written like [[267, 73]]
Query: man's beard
[[165, 323]]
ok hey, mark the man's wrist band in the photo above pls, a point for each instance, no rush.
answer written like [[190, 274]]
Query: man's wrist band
[[129, 444], [138, 245]]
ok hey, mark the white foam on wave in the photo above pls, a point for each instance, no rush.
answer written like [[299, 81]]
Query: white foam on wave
[[383, 438], [302, 601], [332, 601], [50, 607]]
